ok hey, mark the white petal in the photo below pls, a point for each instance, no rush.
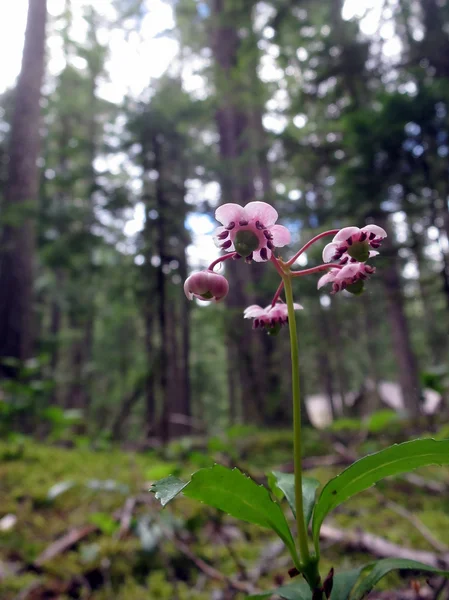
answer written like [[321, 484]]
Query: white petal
[[258, 258], [378, 231], [345, 233], [281, 235], [327, 278], [261, 211], [229, 213], [329, 251]]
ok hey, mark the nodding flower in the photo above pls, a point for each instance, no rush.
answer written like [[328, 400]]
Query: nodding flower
[[250, 230], [355, 243], [350, 277], [206, 285], [271, 317]]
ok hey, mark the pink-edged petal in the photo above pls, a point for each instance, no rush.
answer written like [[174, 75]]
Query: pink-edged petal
[[297, 306], [187, 291], [253, 311], [281, 235], [329, 251], [348, 272], [345, 233], [258, 258], [327, 278], [261, 211], [229, 213], [378, 231], [373, 253]]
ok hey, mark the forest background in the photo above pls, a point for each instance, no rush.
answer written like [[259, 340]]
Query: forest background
[[130, 123]]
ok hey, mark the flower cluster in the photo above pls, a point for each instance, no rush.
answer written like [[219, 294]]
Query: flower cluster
[[251, 232], [352, 247]]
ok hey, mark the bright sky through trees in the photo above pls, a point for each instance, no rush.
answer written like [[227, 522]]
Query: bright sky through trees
[[133, 62]]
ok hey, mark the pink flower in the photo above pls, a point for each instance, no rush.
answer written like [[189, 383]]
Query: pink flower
[[350, 277], [250, 231], [355, 242], [270, 317], [206, 285]]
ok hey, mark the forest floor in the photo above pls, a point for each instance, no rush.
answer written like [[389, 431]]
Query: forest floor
[[80, 523]]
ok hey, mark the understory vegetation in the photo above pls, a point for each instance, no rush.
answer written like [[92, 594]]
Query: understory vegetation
[[82, 525]]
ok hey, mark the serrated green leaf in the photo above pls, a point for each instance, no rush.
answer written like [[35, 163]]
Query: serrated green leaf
[[385, 566], [299, 590], [236, 494], [367, 471], [168, 488], [286, 483]]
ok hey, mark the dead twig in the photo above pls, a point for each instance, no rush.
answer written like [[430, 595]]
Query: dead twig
[[413, 519], [126, 517], [64, 543], [211, 572], [360, 540]]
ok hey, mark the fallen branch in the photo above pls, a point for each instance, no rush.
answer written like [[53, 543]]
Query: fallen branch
[[435, 487], [64, 543], [380, 547], [211, 572], [265, 565], [413, 519], [126, 517]]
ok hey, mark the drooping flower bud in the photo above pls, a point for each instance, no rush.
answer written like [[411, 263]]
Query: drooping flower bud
[[206, 285]]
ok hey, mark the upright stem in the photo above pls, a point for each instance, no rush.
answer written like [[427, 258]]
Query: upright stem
[[301, 524]]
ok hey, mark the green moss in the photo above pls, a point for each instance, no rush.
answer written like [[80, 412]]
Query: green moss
[[124, 570]]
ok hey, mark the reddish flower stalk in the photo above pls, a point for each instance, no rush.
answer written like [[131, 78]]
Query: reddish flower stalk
[[276, 263], [316, 269], [309, 243], [221, 259], [278, 293]]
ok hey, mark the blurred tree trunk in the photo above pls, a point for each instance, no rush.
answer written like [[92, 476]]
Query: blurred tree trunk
[[235, 122], [436, 343], [126, 408], [323, 362], [18, 240], [407, 363], [163, 314], [150, 382], [182, 329]]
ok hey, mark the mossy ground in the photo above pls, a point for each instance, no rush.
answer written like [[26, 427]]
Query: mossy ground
[[146, 564]]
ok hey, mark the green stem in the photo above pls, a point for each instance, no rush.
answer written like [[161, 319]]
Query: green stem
[[301, 524]]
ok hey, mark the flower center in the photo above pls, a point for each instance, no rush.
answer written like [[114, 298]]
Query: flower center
[[207, 296], [356, 288], [246, 242], [359, 251]]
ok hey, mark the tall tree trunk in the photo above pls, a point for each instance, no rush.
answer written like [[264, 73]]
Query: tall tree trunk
[[407, 363], [18, 242], [182, 394], [162, 293], [246, 356]]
